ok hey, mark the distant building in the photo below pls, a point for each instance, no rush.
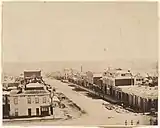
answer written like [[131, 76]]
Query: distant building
[[118, 77], [96, 78], [32, 73], [89, 77], [139, 80], [140, 98], [8, 86], [32, 100]]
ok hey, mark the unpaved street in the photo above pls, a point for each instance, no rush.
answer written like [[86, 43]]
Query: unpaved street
[[97, 114]]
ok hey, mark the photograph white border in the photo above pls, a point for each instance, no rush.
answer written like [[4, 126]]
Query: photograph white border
[[70, 1]]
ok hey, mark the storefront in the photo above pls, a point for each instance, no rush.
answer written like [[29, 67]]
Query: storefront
[[45, 110]]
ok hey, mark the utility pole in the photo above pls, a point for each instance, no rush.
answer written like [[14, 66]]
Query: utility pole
[[51, 96], [81, 68]]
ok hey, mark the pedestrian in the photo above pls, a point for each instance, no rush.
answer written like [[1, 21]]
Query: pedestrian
[[125, 122], [122, 104], [138, 122], [131, 122], [150, 121]]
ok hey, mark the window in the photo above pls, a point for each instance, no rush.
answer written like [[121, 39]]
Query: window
[[36, 100], [44, 99], [4, 99], [15, 100], [29, 100], [122, 74], [44, 109]]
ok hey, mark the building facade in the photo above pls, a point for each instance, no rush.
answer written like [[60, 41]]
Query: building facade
[[32, 100], [30, 73]]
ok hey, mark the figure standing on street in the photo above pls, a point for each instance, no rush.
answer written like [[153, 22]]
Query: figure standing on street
[[150, 121], [125, 122], [131, 122]]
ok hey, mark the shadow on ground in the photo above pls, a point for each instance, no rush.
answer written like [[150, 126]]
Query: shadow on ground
[[72, 85], [78, 89], [92, 96]]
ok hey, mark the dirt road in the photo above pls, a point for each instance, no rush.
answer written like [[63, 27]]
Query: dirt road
[[97, 114]]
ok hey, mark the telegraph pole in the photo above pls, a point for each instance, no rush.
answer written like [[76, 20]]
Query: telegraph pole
[[81, 68]]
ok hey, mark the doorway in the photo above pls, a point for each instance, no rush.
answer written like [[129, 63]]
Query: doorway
[[45, 111], [29, 112], [37, 111]]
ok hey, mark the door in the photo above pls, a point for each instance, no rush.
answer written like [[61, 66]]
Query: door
[[105, 89], [29, 112], [45, 111], [37, 111]]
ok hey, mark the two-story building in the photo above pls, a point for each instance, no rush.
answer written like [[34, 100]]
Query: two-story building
[[31, 100], [115, 78]]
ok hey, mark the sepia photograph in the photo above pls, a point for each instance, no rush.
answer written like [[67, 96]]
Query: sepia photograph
[[79, 63]]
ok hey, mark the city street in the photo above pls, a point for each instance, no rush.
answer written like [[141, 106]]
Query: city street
[[97, 114], [95, 111]]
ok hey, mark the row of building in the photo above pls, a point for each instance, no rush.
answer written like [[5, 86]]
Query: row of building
[[27, 98], [121, 86]]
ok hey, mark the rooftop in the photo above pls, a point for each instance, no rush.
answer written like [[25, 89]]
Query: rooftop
[[142, 91], [34, 85], [55, 99], [35, 70], [97, 75], [35, 92], [9, 82], [6, 92], [12, 88], [27, 92], [14, 92]]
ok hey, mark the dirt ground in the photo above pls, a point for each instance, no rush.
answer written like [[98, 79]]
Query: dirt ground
[[67, 109]]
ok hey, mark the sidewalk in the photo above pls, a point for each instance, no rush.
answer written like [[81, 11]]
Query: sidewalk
[[32, 119], [107, 98]]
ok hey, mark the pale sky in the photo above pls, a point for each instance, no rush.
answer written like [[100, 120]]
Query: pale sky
[[79, 31]]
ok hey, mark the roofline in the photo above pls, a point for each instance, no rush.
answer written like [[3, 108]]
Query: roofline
[[31, 70], [14, 95]]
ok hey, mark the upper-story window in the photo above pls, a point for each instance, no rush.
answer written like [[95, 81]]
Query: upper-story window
[[44, 99], [36, 100], [16, 100], [4, 99], [122, 74], [29, 100]]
